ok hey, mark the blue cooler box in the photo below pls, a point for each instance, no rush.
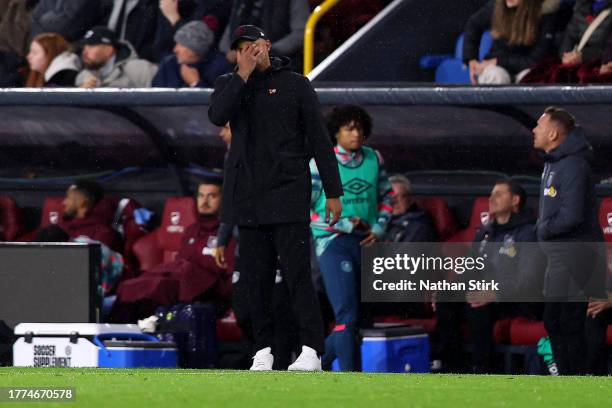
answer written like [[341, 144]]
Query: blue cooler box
[[395, 349], [130, 350]]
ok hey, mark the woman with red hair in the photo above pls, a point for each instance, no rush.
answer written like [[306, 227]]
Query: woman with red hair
[[52, 62]]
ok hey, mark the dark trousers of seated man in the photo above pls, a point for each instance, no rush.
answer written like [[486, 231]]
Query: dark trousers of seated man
[[261, 250], [595, 333]]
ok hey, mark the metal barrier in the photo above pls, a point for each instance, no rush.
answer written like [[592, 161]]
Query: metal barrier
[[468, 96]]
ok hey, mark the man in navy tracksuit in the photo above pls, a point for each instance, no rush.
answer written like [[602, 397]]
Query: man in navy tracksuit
[[567, 214]]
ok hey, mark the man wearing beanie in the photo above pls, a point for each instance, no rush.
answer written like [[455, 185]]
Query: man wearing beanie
[[195, 62]]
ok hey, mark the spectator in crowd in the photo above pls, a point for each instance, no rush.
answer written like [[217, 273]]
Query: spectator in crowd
[[195, 62], [15, 25], [283, 21], [194, 274], [14, 39], [68, 18], [567, 213], [409, 222], [176, 13], [52, 62], [111, 63], [606, 61], [135, 23], [80, 218], [523, 34], [367, 206], [518, 269], [585, 13]]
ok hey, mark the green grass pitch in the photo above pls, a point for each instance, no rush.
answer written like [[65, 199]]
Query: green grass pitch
[[118, 388]]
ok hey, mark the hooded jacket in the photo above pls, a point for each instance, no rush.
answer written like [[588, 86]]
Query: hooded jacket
[[63, 70], [568, 208], [415, 225], [519, 267], [128, 71], [277, 126], [514, 58], [568, 213]]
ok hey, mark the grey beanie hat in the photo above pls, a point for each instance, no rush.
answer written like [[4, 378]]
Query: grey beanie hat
[[196, 36]]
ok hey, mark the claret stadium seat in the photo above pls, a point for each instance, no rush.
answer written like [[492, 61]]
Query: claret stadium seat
[[443, 218], [11, 223], [162, 244], [480, 217]]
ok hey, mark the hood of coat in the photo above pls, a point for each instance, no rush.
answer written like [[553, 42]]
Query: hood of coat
[[574, 145], [66, 61], [125, 52]]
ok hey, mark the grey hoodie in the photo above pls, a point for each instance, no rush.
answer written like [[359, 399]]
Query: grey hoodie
[[128, 71]]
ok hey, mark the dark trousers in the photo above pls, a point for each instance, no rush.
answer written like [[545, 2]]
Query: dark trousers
[[261, 250], [285, 335], [595, 333], [564, 322]]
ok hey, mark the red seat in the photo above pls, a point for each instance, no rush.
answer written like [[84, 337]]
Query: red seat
[[480, 217], [524, 331], [11, 223], [605, 218], [52, 211], [163, 244], [443, 219]]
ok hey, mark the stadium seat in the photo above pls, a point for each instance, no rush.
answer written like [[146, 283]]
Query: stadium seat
[[605, 218], [453, 70], [480, 217], [11, 223], [52, 211], [443, 219], [163, 244], [524, 331]]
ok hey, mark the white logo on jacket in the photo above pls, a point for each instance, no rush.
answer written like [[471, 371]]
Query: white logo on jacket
[[484, 218]]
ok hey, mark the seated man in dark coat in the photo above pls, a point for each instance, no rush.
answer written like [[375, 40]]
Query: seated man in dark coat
[[409, 222], [195, 63]]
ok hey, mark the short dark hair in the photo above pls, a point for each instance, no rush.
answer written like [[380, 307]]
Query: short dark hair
[[92, 191], [343, 115], [214, 180], [565, 120], [515, 189]]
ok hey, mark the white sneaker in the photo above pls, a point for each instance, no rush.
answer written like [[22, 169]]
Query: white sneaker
[[263, 360], [307, 361]]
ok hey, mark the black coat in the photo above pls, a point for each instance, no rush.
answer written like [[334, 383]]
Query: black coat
[[518, 266], [69, 18], [277, 125], [415, 225], [568, 213], [514, 58]]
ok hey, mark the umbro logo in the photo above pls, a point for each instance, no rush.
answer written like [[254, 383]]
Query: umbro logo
[[356, 186]]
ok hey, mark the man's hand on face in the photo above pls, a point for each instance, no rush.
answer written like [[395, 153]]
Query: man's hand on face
[[247, 60], [190, 75]]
